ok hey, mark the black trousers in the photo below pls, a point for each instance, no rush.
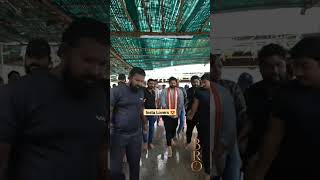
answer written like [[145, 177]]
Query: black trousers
[[204, 137], [190, 126], [170, 125]]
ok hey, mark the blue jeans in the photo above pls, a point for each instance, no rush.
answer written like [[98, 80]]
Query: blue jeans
[[148, 138], [182, 116]]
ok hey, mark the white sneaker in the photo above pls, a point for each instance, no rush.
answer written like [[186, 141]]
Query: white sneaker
[[169, 151]]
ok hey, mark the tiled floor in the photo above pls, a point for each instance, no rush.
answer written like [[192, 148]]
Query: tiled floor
[[155, 164]]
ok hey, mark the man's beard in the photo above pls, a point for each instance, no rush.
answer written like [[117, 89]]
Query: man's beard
[[172, 87], [134, 88], [79, 88]]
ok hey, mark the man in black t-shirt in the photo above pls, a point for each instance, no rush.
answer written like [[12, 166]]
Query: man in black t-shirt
[[201, 107], [13, 76], [291, 147], [37, 55], [259, 97], [195, 81], [149, 103], [52, 124], [122, 79]]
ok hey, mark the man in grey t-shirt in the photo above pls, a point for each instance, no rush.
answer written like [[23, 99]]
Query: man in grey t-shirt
[[127, 105]]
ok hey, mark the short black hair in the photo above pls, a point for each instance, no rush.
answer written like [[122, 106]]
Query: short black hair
[[150, 80], [271, 50], [194, 78], [13, 72], [307, 47], [38, 48], [122, 77], [206, 76], [84, 28], [173, 79], [137, 70], [245, 77]]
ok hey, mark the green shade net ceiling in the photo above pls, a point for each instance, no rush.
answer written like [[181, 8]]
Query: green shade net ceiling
[[21, 20], [139, 17], [134, 18]]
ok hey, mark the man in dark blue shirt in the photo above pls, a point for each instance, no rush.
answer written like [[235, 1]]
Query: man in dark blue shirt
[[127, 106], [52, 124]]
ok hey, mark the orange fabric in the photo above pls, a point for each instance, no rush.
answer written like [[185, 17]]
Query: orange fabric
[[172, 101]]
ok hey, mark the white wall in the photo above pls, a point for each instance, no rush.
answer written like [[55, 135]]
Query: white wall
[[266, 22]]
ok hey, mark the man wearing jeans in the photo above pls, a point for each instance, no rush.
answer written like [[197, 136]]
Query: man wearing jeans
[[182, 113], [149, 103], [158, 91]]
